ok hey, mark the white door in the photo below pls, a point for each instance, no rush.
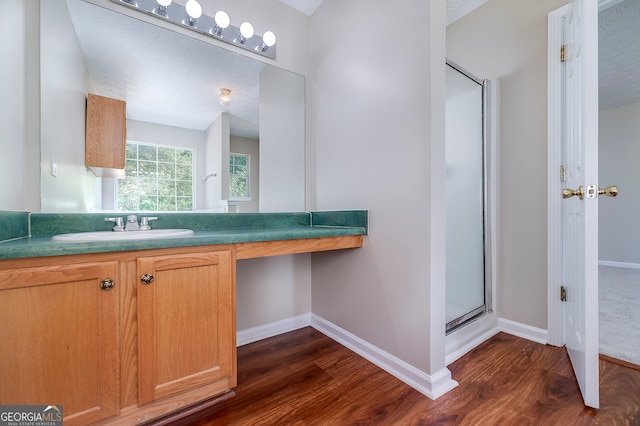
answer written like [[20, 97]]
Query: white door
[[580, 211]]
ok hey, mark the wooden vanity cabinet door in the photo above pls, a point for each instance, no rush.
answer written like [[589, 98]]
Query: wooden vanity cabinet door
[[186, 324], [59, 339]]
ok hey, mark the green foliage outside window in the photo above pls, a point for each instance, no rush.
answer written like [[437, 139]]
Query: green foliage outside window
[[238, 175], [158, 178]]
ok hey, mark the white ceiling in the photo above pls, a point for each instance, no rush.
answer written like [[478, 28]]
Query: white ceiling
[[305, 6]]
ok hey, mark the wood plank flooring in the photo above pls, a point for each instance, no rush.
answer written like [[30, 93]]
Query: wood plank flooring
[[305, 378]]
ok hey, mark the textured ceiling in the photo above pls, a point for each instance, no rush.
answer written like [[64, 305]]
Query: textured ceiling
[[619, 54]]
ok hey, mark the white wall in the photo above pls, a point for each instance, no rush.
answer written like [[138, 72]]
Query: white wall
[[378, 144], [63, 93], [12, 106], [272, 289], [249, 147], [282, 156], [217, 142], [507, 40], [63, 106], [619, 153]]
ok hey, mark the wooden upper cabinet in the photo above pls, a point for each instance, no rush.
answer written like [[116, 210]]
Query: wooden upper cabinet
[[59, 339], [106, 133]]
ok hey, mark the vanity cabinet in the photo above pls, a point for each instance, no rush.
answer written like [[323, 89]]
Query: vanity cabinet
[[106, 134], [186, 323], [59, 338], [118, 338]]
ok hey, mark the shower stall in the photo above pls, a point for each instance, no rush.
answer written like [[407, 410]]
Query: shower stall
[[468, 285]]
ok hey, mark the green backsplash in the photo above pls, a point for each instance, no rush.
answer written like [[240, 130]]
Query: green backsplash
[[13, 224], [16, 224], [348, 218], [52, 223]]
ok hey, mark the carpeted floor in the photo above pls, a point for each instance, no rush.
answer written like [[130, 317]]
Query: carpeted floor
[[619, 300]]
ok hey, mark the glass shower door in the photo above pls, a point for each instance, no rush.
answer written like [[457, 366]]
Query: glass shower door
[[465, 197]]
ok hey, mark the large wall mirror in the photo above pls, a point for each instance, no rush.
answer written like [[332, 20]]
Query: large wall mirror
[[171, 84]]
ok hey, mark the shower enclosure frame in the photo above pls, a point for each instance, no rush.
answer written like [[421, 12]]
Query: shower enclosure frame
[[488, 170]]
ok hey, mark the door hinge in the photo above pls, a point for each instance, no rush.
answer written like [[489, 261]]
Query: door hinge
[[563, 53], [563, 174], [563, 294]]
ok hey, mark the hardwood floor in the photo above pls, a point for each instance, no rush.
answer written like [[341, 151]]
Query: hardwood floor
[[305, 378]]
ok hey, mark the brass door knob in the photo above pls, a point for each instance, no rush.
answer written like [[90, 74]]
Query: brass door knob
[[609, 191], [107, 284], [568, 193], [146, 279]]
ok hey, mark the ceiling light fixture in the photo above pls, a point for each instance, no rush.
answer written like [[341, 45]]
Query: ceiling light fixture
[[225, 97], [219, 26]]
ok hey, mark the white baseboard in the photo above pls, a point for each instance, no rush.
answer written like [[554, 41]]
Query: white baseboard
[[619, 264], [432, 386], [525, 331], [250, 335]]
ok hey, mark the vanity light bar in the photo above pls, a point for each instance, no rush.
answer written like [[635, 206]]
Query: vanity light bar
[[204, 24]]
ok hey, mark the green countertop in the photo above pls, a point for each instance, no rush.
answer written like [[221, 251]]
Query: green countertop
[[209, 229]]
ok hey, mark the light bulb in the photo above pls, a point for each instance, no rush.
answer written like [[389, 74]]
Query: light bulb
[[246, 29], [164, 3], [193, 8], [269, 38], [222, 19]]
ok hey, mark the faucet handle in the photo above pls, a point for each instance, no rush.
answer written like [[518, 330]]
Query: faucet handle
[[144, 223], [119, 223]]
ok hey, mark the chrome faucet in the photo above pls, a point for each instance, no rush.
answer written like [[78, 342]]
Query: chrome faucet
[[132, 223]]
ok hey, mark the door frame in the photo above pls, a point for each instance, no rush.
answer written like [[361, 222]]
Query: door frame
[[555, 307]]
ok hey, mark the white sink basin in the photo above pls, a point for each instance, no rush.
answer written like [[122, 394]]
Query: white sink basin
[[87, 237]]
